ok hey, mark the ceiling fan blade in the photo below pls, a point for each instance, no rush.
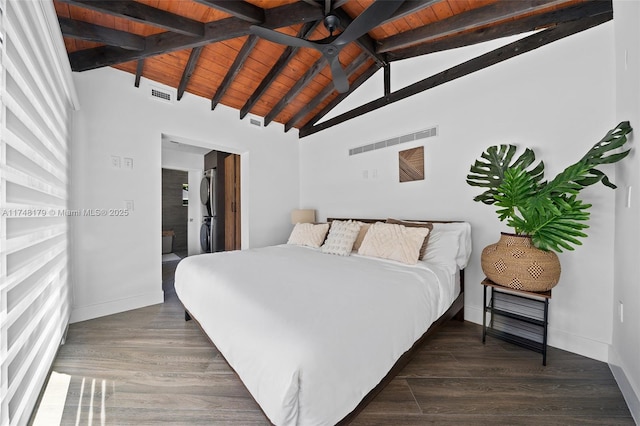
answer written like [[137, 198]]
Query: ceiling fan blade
[[340, 81], [370, 18], [281, 38]]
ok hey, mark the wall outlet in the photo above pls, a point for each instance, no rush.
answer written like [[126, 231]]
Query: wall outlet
[[128, 205], [115, 162]]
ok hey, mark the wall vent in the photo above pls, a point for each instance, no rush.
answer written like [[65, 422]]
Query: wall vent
[[421, 134], [255, 120], [161, 94]]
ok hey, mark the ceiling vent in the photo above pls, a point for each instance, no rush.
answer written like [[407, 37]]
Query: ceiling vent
[[421, 134], [161, 94]]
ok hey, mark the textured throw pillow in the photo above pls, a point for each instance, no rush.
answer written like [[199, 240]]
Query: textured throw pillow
[[364, 227], [394, 242], [308, 234], [423, 249], [342, 235]]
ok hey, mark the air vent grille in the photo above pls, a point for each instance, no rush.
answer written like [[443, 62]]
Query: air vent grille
[[421, 134], [255, 120], [161, 95]]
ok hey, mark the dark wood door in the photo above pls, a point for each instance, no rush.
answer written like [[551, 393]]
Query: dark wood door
[[232, 202]]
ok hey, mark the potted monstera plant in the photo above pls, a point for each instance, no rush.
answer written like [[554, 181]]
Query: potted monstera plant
[[546, 216]]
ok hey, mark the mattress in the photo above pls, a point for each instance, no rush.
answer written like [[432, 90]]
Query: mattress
[[310, 334]]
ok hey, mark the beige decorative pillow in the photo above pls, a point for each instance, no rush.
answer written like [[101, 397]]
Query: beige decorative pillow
[[342, 235], [423, 249], [364, 227], [394, 242], [308, 234]]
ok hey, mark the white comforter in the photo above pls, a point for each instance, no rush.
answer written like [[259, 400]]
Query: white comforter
[[310, 334]]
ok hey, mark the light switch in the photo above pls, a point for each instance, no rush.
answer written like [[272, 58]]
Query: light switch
[[128, 163], [128, 205]]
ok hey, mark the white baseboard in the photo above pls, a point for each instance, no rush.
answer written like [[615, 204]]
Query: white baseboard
[[97, 310], [557, 338], [631, 395]]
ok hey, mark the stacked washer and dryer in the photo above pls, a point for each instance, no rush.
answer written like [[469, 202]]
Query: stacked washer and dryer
[[209, 226]]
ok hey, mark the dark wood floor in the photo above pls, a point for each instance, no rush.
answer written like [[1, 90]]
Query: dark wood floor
[[149, 366]]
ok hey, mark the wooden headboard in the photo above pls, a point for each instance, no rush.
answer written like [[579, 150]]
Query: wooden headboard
[[330, 219]]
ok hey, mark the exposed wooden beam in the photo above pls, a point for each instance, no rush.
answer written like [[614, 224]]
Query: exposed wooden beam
[[338, 3], [483, 61], [235, 68], [311, 73], [277, 68], [530, 23], [139, 69], [328, 90], [214, 31], [188, 70], [335, 101], [90, 32], [240, 9], [474, 18], [365, 42], [387, 79], [140, 12], [409, 7], [313, 3]]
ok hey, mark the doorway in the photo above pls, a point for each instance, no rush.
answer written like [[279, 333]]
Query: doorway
[[175, 213]]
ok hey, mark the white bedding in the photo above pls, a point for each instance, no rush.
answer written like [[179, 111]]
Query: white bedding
[[310, 334]]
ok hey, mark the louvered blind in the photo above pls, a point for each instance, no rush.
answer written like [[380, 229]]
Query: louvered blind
[[35, 115]]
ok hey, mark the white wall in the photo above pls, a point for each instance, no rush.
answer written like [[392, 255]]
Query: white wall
[[623, 357], [558, 99], [193, 164], [116, 259]]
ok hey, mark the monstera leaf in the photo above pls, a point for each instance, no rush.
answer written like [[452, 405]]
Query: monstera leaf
[[488, 172], [549, 211]]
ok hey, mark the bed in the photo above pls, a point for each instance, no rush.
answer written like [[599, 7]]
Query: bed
[[314, 336]]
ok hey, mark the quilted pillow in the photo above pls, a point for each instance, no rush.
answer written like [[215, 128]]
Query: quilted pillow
[[308, 234], [342, 235], [394, 242], [423, 248]]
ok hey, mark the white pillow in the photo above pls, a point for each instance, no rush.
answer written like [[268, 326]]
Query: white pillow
[[394, 242], [450, 242], [308, 234], [342, 235]]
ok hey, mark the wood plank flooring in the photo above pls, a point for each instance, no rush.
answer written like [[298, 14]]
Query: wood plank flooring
[[148, 366]]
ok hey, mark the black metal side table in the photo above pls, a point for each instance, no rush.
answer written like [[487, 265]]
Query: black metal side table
[[516, 316]]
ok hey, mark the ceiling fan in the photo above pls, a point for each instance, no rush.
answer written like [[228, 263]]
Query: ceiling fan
[[331, 46]]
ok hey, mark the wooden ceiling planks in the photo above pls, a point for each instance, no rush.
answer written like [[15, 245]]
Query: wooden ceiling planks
[[296, 90]]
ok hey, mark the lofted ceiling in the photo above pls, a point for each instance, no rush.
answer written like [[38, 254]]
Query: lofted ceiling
[[209, 48]]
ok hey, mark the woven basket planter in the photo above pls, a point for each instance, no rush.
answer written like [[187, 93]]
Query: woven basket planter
[[515, 263]]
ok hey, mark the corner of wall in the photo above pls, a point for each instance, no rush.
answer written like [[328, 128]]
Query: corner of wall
[[631, 395], [84, 313]]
